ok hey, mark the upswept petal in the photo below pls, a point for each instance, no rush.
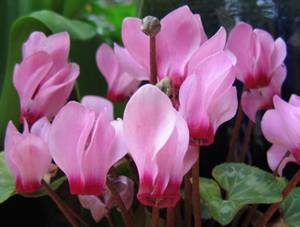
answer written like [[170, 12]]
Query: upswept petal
[[55, 92], [41, 129], [108, 64], [98, 104], [76, 121], [95, 157], [279, 53], [213, 45], [238, 45], [56, 45], [272, 126], [178, 29], [135, 41], [149, 120], [129, 65], [224, 108], [30, 72], [295, 100]]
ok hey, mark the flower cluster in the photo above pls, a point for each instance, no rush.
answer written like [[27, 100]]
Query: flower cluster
[[160, 132]]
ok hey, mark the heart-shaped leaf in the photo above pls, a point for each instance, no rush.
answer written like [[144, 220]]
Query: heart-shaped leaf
[[7, 181], [290, 208], [243, 185]]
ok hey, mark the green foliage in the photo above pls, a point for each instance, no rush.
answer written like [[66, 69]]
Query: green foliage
[[290, 208], [107, 19], [7, 181], [243, 185]]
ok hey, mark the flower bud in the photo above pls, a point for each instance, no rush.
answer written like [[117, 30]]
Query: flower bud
[[150, 25]]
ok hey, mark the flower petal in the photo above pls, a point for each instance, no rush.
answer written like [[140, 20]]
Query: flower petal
[[213, 45], [98, 104], [149, 120], [135, 41], [76, 121]]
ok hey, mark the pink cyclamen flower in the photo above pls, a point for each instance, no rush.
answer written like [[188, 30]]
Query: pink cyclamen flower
[[27, 154], [257, 99], [122, 73], [44, 79], [280, 127], [84, 143], [258, 55], [207, 98], [180, 45], [100, 206], [154, 133]]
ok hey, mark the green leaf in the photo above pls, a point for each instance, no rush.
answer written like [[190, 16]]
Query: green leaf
[[290, 207], [72, 7], [7, 181], [243, 185], [42, 192], [45, 21]]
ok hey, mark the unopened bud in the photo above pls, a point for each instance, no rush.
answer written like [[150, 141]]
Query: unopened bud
[[150, 25]]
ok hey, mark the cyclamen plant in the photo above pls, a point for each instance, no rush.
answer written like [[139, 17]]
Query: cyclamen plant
[[187, 93]]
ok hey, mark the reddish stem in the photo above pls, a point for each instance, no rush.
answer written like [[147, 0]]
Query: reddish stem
[[60, 204], [196, 194], [155, 216], [235, 134], [247, 139], [187, 200], [153, 65], [170, 216], [272, 209]]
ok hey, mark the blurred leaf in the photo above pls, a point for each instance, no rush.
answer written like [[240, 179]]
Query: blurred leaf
[[108, 18], [243, 185], [45, 21], [7, 181], [290, 207], [42, 192], [72, 7]]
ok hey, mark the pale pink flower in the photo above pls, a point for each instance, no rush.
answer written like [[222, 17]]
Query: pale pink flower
[[157, 138], [44, 79], [207, 98], [180, 45], [122, 73], [258, 55], [27, 154], [280, 126], [84, 143]]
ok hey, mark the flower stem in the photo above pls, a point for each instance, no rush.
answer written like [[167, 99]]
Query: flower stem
[[250, 214], [272, 209], [235, 134], [170, 216], [155, 217], [126, 214], [187, 200], [246, 142], [60, 204], [153, 64], [196, 194]]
